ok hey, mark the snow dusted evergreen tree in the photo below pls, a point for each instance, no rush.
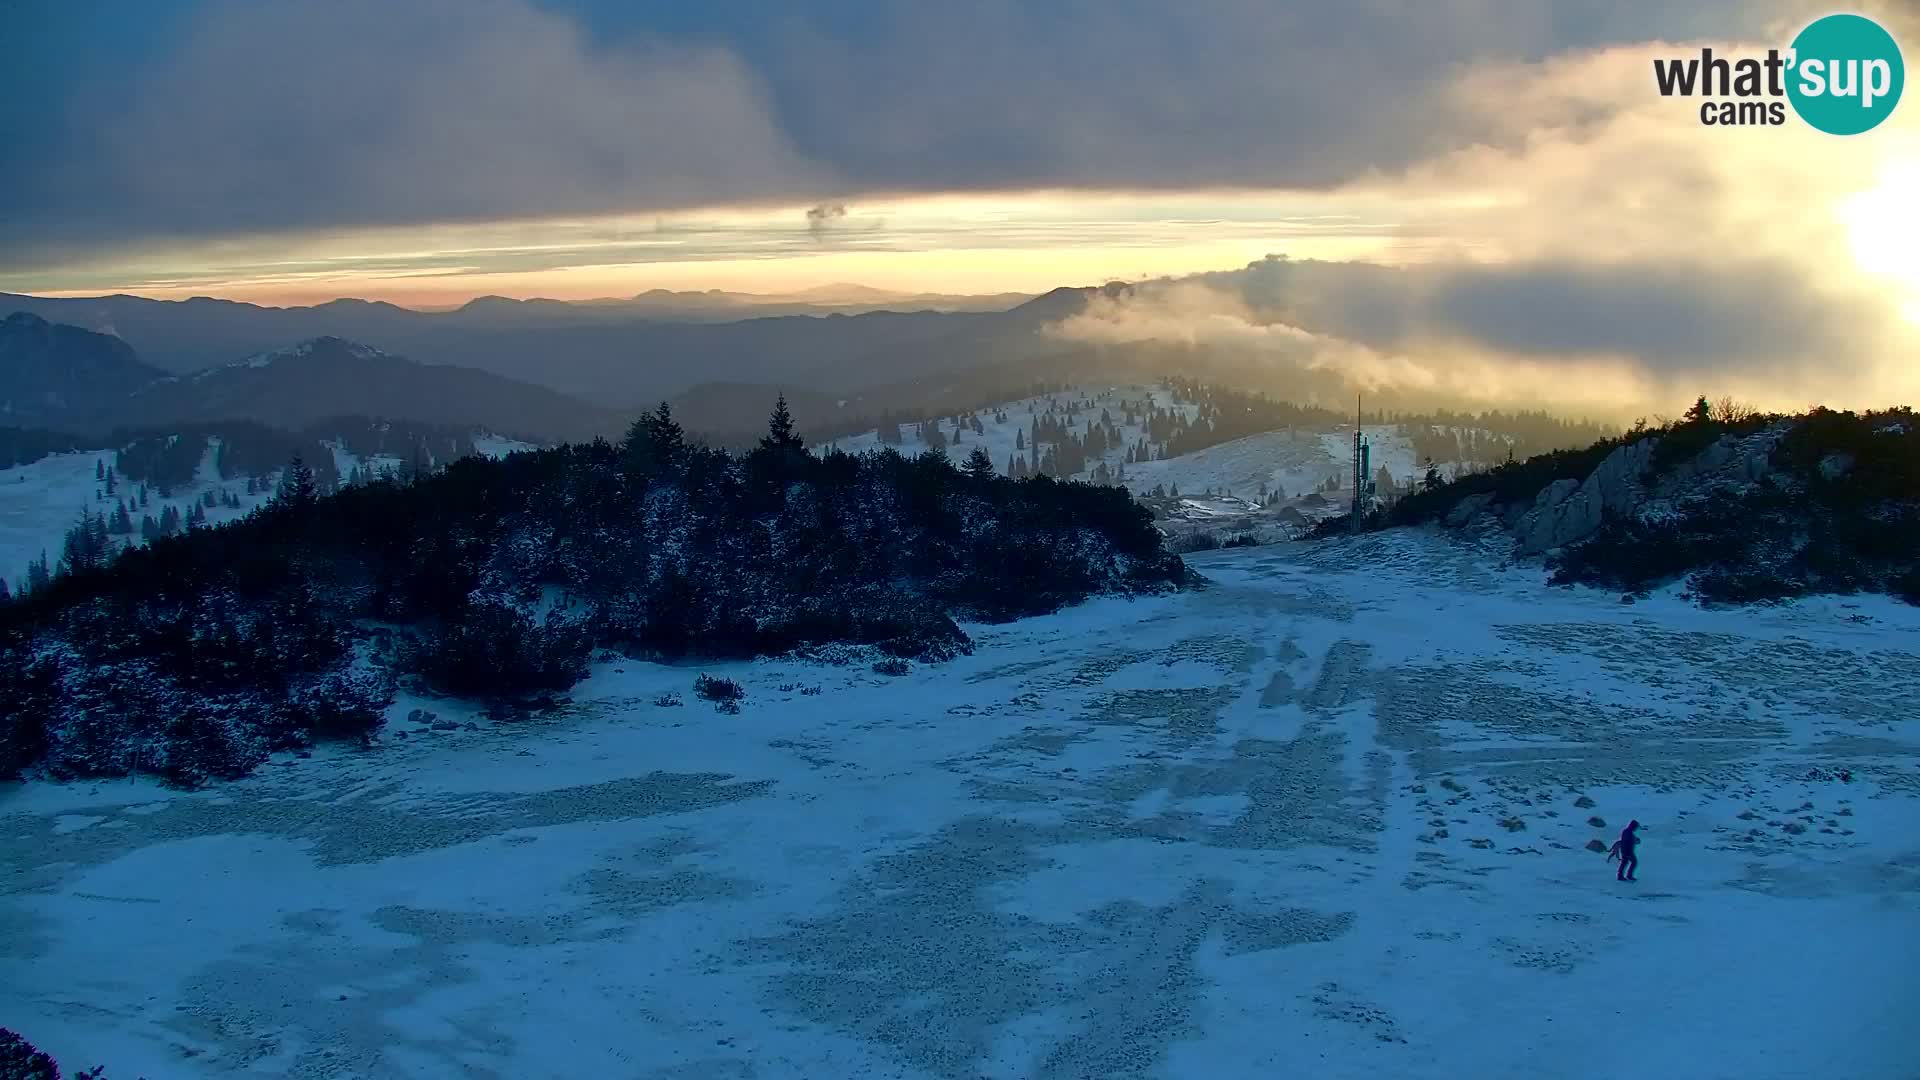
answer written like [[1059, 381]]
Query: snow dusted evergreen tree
[[296, 485], [87, 545], [979, 465]]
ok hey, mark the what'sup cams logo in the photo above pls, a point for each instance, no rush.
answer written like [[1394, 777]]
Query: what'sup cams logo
[[1843, 75]]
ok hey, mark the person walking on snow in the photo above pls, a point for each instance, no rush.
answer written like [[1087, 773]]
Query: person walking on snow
[[1623, 847]]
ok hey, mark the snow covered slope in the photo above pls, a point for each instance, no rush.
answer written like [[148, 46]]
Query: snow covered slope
[[39, 502], [1000, 439], [1292, 462], [1328, 818], [1296, 461]]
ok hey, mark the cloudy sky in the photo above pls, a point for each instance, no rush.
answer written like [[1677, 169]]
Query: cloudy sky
[[1486, 193]]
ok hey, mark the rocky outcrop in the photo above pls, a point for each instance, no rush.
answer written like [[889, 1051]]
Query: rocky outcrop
[[1569, 510], [1468, 509], [1727, 462]]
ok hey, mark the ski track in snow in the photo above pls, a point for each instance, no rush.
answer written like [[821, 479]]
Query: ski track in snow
[[1251, 831]]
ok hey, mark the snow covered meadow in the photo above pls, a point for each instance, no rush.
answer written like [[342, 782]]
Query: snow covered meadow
[[1328, 817]]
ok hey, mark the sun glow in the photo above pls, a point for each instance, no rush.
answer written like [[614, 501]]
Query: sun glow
[[1883, 230]]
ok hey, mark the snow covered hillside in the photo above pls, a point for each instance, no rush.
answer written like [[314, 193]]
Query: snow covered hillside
[[1271, 485], [1328, 818], [1003, 441], [1295, 461], [40, 501]]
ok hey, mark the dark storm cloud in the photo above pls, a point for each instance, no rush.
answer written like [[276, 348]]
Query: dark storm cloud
[[124, 122]]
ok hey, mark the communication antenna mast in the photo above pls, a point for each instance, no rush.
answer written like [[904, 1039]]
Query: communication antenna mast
[[1359, 465]]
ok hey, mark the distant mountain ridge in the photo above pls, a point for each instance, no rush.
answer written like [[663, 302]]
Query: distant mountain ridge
[[325, 377], [69, 379], [625, 354], [58, 376]]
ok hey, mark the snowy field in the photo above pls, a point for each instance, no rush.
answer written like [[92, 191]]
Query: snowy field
[[1308, 822]]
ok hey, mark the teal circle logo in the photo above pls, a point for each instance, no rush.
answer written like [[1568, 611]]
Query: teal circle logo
[[1847, 74]]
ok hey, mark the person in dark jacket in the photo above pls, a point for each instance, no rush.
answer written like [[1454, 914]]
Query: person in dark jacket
[[1624, 847]]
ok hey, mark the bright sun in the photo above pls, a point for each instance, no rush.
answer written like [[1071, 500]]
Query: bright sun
[[1883, 228]]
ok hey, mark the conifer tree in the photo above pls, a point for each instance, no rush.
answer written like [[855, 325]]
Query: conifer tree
[[296, 486], [655, 440], [780, 434], [87, 546]]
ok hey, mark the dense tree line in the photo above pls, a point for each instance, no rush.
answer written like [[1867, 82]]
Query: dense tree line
[[24, 446], [200, 653], [433, 445], [170, 458]]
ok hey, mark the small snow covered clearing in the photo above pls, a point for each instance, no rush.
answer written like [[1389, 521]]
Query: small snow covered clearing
[[41, 500], [1328, 817]]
